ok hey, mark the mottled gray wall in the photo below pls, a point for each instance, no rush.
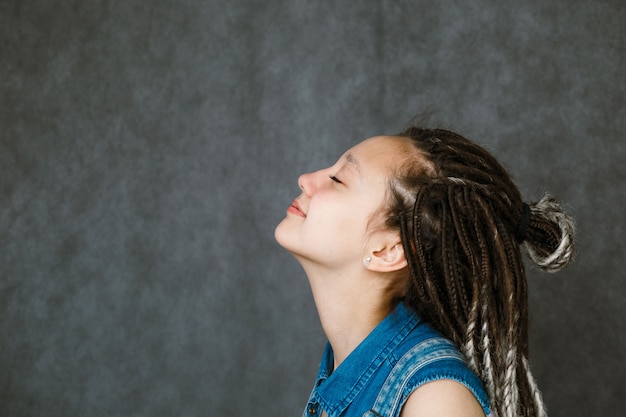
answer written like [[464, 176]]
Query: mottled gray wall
[[148, 149]]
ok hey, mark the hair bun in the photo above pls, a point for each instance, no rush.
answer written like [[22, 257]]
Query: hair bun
[[550, 238]]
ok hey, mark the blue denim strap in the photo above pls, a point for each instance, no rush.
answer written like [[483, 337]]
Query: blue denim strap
[[393, 394]]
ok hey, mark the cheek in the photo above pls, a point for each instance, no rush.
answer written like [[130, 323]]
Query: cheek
[[337, 225]]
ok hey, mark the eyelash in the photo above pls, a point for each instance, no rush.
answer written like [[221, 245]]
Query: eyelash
[[332, 177]]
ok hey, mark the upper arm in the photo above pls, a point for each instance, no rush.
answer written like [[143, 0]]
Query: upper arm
[[442, 398]]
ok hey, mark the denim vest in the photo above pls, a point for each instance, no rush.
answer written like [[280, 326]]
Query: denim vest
[[399, 355]]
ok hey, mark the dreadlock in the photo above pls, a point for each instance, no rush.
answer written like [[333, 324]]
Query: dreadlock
[[459, 219]]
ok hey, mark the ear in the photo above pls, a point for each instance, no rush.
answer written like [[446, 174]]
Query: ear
[[387, 258]]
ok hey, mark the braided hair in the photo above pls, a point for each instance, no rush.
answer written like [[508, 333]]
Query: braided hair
[[463, 225]]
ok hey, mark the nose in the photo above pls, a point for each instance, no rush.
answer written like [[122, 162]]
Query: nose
[[306, 182]]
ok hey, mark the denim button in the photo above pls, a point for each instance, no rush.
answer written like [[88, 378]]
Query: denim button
[[311, 410]]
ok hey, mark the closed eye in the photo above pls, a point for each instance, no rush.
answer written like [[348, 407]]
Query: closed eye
[[332, 177]]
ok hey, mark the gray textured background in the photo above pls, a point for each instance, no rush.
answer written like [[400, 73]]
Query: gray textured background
[[148, 149]]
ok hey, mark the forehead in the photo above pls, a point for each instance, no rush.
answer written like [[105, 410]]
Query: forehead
[[380, 153]]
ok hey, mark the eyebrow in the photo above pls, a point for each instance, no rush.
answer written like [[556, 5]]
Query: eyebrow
[[352, 160]]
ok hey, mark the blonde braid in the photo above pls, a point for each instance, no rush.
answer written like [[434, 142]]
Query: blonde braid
[[536, 394]]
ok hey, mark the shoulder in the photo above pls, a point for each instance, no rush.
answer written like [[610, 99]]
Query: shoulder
[[442, 398], [439, 381]]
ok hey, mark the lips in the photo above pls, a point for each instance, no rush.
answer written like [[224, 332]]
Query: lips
[[294, 208]]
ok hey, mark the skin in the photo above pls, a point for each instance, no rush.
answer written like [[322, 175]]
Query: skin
[[331, 228]]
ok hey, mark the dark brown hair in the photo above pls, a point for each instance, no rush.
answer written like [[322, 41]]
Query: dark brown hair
[[459, 219]]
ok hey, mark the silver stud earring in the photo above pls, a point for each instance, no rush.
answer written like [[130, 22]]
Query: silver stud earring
[[367, 261]]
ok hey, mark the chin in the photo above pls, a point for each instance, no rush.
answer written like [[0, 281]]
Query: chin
[[281, 235], [286, 239]]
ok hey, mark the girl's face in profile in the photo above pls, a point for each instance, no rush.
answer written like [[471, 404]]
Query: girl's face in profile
[[330, 222]]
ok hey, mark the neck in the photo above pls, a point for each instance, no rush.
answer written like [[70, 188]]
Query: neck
[[350, 304]]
